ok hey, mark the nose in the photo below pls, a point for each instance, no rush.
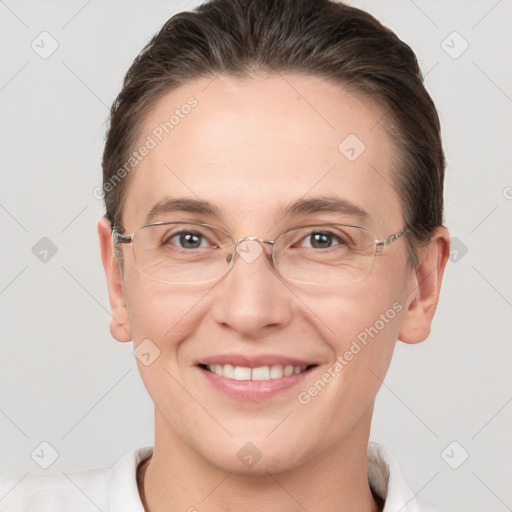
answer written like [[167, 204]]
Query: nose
[[251, 298]]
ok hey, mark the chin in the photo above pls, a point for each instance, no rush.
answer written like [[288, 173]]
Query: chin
[[258, 458]]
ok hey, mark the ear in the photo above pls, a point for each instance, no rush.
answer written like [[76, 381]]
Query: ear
[[119, 321], [424, 289]]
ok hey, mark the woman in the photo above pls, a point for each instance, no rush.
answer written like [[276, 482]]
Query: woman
[[273, 179]]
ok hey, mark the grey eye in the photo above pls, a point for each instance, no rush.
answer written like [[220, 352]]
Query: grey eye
[[321, 240], [188, 240]]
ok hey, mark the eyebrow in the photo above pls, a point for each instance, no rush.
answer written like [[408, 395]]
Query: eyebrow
[[329, 204], [167, 205]]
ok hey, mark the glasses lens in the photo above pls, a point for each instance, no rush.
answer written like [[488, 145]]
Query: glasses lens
[[328, 254], [180, 252]]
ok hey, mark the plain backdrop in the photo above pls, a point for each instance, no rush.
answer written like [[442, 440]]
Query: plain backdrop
[[445, 408]]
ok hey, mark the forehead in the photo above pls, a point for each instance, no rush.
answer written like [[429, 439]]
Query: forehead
[[253, 146]]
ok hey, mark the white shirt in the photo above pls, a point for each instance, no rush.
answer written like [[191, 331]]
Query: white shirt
[[115, 489]]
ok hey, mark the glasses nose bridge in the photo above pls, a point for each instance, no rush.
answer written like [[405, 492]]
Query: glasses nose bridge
[[253, 238], [262, 241]]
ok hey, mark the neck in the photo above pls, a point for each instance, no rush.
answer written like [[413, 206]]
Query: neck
[[176, 478]]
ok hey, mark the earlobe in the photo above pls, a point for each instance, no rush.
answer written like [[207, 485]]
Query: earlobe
[[426, 286], [119, 321]]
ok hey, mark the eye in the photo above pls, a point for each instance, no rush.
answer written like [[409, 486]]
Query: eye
[[321, 240], [187, 240]]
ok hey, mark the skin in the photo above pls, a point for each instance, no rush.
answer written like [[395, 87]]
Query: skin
[[249, 147]]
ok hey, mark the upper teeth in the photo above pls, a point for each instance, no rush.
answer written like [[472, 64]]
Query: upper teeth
[[275, 371]]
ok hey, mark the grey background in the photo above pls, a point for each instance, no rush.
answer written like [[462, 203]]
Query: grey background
[[65, 381]]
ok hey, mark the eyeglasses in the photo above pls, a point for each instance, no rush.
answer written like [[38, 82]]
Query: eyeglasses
[[192, 252]]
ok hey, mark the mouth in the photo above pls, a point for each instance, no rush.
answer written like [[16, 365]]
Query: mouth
[[250, 379]]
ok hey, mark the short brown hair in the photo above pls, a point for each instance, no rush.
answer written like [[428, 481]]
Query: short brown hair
[[324, 38]]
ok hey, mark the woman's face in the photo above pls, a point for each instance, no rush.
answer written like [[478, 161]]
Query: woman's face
[[251, 148]]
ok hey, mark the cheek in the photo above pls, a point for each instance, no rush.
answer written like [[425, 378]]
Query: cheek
[[368, 342], [362, 335], [361, 312], [363, 329], [163, 313], [162, 317]]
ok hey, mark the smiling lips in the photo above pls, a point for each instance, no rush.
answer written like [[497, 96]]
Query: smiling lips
[[253, 384], [253, 378]]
